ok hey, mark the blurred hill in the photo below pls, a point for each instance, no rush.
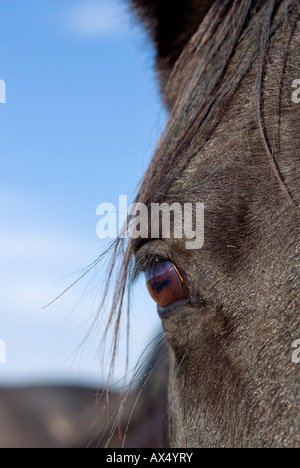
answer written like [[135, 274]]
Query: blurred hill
[[70, 417]]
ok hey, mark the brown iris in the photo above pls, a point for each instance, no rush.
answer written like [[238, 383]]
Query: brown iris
[[165, 284]]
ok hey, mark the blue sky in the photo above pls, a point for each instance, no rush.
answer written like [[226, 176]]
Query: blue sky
[[79, 127]]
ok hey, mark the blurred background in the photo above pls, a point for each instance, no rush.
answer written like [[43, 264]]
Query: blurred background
[[79, 127]]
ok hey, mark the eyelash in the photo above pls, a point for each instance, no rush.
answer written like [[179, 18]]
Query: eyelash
[[145, 262]]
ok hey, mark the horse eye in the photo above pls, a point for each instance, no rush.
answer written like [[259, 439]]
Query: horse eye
[[165, 284]]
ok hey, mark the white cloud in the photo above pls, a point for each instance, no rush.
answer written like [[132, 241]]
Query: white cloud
[[93, 18], [27, 242], [33, 260]]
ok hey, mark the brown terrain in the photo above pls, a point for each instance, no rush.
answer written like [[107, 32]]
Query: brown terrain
[[71, 417]]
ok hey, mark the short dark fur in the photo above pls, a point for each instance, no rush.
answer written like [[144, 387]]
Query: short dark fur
[[171, 24], [233, 143]]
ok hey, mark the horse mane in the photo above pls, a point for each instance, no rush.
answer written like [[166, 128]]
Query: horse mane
[[201, 71]]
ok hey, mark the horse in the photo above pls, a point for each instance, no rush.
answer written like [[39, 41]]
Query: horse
[[228, 74]]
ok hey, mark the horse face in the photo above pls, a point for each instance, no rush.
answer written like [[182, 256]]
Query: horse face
[[232, 381]]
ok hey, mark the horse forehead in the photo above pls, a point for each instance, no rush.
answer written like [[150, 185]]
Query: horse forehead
[[234, 157], [235, 148], [231, 155]]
